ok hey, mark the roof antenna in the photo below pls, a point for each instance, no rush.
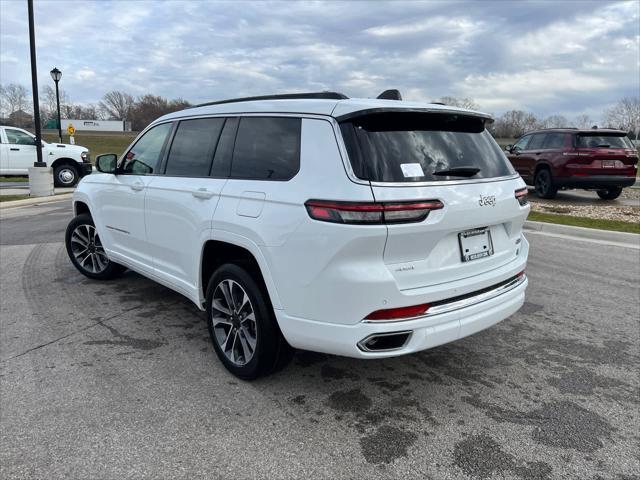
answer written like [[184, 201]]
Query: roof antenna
[[392, 94]]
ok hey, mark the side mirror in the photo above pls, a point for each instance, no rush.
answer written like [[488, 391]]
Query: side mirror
[[107, 163], [508, 148]]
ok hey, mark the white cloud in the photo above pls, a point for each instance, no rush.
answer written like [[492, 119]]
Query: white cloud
[[576, 56]]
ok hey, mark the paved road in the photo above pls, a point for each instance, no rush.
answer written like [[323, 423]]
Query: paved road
[[4, 185], [118, 380]]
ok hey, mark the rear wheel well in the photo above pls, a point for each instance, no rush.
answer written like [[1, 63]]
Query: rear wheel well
[[80, 208], [216, 253]]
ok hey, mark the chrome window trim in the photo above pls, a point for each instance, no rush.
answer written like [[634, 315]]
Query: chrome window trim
[[460, 304]]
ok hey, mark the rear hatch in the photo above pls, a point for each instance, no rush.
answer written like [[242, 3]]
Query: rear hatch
[[410, 156], [605, 153]]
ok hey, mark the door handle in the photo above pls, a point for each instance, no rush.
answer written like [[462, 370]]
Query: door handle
[[14, 149], [202, 193], [137, 186]]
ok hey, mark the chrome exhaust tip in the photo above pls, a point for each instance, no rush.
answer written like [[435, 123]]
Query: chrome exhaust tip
[[385, 342]]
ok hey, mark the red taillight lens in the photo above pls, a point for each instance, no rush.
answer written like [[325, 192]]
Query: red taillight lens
[[522, 196], [399, 313], [371, 213]]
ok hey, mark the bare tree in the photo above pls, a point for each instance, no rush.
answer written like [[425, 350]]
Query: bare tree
[[149, 107], [116, 105], [460, 102], [14, 98], [624, 115], [515, 123], [555, 121], [583, 121], [48, 98]]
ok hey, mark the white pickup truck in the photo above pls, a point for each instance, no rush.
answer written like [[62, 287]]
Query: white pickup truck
[[18, 153]]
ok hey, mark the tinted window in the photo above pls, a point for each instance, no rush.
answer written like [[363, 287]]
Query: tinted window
[[555, 140], [603, 140], [144, 157], [537, 141], [17, 137], [193, 146], [267, 148], [522, 143], [413, 147]]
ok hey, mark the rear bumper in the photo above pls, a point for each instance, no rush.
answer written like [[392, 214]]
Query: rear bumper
[[467, 318], [595, 181]]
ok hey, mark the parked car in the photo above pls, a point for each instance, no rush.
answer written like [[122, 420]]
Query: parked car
[[596, 159], [18, 153], [357, 227]]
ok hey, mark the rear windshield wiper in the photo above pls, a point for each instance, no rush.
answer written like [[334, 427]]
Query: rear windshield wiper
[[458, 172]]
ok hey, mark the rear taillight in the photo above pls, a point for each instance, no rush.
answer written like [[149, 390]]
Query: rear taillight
[[522, 196], [401, 313], [371, 213]]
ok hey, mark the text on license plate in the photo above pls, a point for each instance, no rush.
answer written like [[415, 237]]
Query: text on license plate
[[475, 243]]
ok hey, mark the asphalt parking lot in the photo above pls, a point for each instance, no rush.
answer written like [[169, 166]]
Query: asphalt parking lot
[[119, 380]]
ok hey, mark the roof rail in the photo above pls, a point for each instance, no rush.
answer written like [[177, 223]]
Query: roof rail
[[282, 96]]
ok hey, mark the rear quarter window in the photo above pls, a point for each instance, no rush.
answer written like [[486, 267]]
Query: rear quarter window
[[413, 147], [267, 148], [603, 140]]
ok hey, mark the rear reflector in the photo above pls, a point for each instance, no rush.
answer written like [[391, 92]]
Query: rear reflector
[[522, 196], [371, 213], [399, 313]]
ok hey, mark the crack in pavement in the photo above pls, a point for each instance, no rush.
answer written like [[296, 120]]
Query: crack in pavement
[[99, 322]]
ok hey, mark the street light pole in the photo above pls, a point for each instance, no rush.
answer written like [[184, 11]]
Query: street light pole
[[57, 75], [34, 87]]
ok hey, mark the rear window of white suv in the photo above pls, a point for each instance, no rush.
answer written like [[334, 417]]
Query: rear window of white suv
[[422, 147]]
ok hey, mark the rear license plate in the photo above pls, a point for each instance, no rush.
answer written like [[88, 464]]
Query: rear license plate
[[608, 164], [475, 244]]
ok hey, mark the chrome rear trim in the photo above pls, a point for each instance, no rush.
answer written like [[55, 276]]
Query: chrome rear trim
[[446, 306]]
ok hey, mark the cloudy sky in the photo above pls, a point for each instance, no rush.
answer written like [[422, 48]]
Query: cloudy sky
[[547, 56]]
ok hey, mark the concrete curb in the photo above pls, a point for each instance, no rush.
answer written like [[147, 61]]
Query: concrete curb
[[623, 238], [35, 201]]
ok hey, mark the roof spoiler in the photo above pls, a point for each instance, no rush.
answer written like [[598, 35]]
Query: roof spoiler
[[392, 94]]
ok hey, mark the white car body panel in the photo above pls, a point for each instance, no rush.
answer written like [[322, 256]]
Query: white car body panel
[[323, 278]]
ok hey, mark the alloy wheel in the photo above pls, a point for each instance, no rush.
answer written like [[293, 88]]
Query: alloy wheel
[[234, 322], [88, 250], [542, 182]]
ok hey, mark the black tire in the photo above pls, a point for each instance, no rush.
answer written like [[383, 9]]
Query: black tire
[[610, 193], [271, 351], [544, 185], [65, 175], [82, 225]]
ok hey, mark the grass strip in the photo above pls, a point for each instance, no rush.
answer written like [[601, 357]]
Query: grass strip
[[615, 225]]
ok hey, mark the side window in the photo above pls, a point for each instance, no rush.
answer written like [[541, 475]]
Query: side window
[[193, 146], [554, 141], [18, 138], [522, 143], [267, 148], [537, 141], [144, 157]]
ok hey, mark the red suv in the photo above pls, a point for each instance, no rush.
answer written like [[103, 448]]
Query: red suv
[[561, 158]]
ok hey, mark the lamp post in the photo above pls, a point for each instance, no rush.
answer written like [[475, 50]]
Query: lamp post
[[40, 175], [57, 75]]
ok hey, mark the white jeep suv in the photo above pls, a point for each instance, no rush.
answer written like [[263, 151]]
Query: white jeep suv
[[18, 152], [356, 227]]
